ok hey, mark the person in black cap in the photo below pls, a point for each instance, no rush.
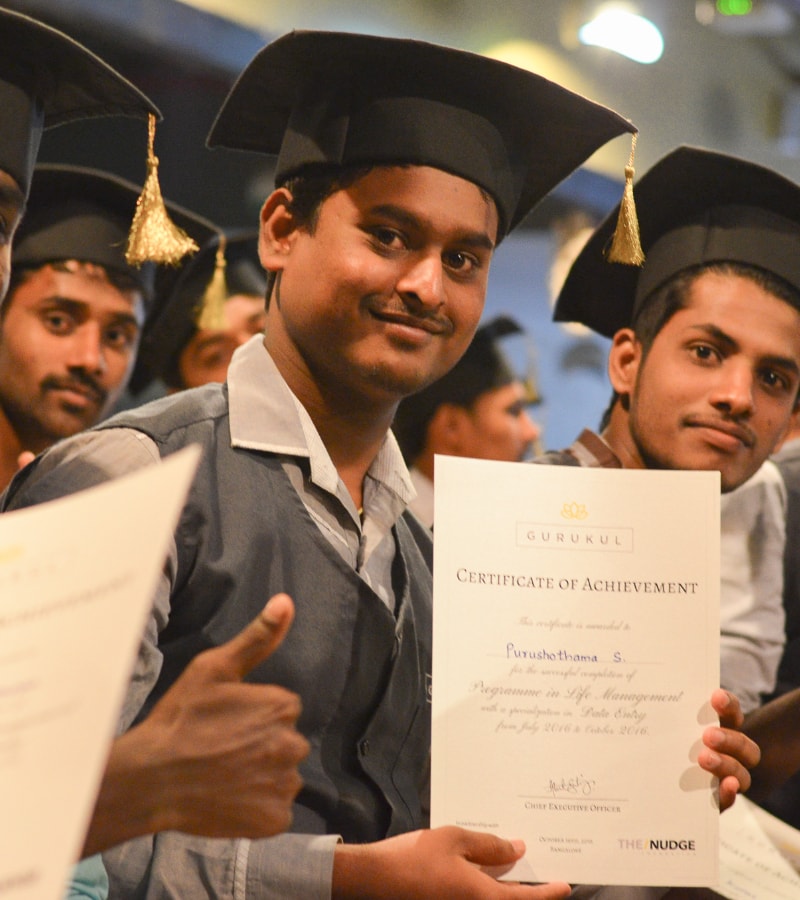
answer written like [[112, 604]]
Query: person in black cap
[[478, 409], [705, 356], [251, 746], [718, 232], [401, 165], [71, 322], [73, 314], [216, 305]]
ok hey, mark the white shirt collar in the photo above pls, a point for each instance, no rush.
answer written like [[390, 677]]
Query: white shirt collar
[[265, 415]]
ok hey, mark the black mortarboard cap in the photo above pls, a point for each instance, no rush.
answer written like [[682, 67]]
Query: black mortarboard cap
[[168, 332], [75, 212], [47, 79], [315, 97], [695, 207], [483, 367]]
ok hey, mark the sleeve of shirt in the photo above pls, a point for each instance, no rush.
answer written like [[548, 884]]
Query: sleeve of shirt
[[173, 866], [83, 461], [752, 633], [89, 880]]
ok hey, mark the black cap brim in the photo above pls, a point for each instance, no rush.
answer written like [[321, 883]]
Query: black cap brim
[[695, 207], [335, 98], [79, 213], [48, 79]]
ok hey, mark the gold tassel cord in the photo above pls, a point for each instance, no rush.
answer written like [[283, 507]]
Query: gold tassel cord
[[154, 237], [211, 308], [626, 246]]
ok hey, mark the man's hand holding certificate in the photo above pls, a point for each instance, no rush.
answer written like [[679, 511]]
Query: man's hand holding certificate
[[576, 646]]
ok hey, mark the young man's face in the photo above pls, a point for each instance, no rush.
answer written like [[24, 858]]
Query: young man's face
[[497, 425], [384, 294], [208, 354], [11, 205], [68, 341], [717, 389]]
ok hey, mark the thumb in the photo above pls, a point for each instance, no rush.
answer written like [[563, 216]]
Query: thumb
[[488, 850], [255, 643]]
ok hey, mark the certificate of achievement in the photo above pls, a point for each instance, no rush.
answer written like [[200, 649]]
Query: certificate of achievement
[[575, 650], [77, 578], [758, 854]]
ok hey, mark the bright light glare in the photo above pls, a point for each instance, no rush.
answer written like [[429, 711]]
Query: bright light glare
[[625, 33]]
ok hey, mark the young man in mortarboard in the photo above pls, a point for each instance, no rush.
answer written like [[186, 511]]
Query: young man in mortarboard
[[478, 409], [705, 355], [74, 311], [400, 166], [154, 778], [216, 305]]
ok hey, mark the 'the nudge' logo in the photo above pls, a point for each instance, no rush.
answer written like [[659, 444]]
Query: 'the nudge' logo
[[681, 845]]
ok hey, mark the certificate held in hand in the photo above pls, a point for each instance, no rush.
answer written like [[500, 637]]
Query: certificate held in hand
[[575, 649]]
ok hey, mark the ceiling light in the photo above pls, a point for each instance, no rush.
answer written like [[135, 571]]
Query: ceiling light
[[617, 28]]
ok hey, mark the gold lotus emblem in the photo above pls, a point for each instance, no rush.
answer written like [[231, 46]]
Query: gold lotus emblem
[[574, 510]]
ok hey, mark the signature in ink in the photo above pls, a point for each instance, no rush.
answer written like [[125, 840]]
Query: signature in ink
[[577, 785]]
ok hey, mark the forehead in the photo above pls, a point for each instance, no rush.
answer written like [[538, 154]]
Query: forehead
[[742, 310], [79, 283], [430, 194], [504, 395], [239, 307]]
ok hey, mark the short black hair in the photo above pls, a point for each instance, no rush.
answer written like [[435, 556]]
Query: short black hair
[[310, 188]]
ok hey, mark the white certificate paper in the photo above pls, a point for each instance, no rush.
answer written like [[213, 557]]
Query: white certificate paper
[[575, 649], [758, 855], [77, 578]]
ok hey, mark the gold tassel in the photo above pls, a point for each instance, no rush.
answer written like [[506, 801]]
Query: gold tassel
[[154, 237], [211, 308], [625, 246]]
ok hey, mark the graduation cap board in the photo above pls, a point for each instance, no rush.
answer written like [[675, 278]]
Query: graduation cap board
[[79, 213], [483, 367], [82, 213], [695, 207], [48, 79], [328, 98]]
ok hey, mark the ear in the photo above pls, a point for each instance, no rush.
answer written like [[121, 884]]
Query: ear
[[624, 359], [277, 230]]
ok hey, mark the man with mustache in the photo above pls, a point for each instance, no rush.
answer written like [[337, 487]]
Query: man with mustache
[[700, 381], [71, 320], [400, 166], [705, 365]]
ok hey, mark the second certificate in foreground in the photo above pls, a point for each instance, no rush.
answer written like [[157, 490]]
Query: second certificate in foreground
[[576, 646]]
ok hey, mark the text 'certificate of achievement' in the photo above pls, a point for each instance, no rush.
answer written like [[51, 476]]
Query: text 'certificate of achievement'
[[77, 578], [575, 650]]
